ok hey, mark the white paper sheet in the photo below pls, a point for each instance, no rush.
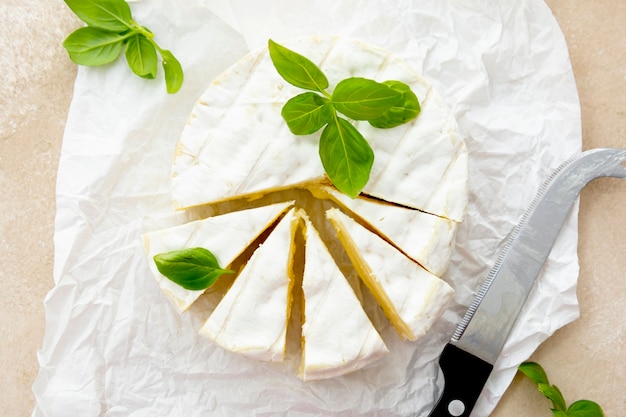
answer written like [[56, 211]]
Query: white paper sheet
[[115, 346]]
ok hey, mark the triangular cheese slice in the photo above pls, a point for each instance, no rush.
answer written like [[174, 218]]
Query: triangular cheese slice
[[425, 238], [411, 297], [237, 141], [252, 317], [428, 167], [337, 335], [227, 236]]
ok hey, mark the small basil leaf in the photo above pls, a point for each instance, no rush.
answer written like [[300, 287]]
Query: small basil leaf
[[363, 99], [141, 56], [297, 69], [346, 156], [535, 372], [113, 15], [306, 113], [93, 46], [174, 75], [407, 108], [192, 268], [585, 408]]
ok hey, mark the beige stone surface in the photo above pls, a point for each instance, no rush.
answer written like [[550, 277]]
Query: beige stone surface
[[586, 358]]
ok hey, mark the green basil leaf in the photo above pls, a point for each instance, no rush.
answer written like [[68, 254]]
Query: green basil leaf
[[407, 108], [585, 408], [297, 69], [193, 268], [346, 156], [112, 15], [535, 372], [363, 99], [306, 113], [174, 75], [93, 46], [582, 408], [553, 393], [141, 56]]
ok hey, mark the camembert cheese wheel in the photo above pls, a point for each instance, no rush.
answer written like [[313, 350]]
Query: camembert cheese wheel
[[399, 233]]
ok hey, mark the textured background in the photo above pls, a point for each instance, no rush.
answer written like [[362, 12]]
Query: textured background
[[585, 359]]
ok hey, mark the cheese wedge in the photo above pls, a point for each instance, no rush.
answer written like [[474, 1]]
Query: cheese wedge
[[237, 141], [338, 337], [425, 238], [227, 236], [411, 297], [252, 317]]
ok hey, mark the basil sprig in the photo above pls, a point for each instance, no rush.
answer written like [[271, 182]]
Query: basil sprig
[[581, 408], [345, 154], [191, 268], [111, 28]]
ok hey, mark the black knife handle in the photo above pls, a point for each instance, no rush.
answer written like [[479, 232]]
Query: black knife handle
[[465, 376]]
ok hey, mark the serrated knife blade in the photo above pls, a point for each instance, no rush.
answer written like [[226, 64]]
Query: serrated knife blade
[[468, 359]]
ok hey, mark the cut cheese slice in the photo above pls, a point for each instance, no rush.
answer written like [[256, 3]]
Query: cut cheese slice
[[226, 236], [411, 297], [252, 317], [338, 337], [425, 238], [237, 141]]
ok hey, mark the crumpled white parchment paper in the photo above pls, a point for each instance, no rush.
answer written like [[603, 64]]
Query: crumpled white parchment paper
[[115, 346]]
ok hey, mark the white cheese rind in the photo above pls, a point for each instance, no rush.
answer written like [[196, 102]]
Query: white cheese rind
[[252, 317], [406, 291], [226, 236], [425, 238], [237, 141], [338, 337]]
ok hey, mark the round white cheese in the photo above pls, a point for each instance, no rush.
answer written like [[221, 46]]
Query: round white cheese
[[237, 147]]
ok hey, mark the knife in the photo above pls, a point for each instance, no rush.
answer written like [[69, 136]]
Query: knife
[[468, 358]]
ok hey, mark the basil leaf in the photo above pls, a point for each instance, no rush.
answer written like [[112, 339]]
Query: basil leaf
[[346, 156], [193, 268], [363, 99], [174, 75], [141, 56], [535, 372], [552, 393], [93, 46], [112, 15], [306, 113], [585, 408], [297, 69], [407, 108]]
